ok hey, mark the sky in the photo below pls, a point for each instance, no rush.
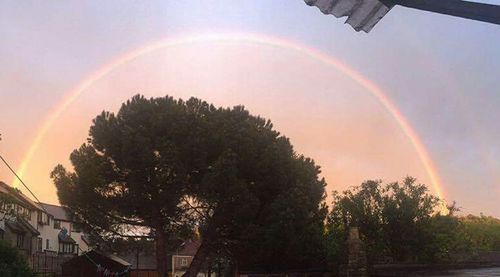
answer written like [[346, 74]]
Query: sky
[[442, 74]]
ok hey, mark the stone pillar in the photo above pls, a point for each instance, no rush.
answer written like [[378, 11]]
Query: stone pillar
[[356, 263]]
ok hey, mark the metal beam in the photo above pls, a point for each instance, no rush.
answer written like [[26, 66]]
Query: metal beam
[[465, 9]]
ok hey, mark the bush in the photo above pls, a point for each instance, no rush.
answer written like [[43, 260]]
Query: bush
[[12, 264]]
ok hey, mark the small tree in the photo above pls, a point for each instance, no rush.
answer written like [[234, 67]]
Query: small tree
[[12, 264], [397, 220], [483, 232]]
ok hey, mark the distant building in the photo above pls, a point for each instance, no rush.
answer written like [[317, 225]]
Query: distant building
[[37, 227], [177, 262], [181, 259]]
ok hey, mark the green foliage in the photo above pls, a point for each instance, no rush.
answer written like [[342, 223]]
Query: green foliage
[[166, 165], [12, 264], [397, 222], [6, 208], [406, 212], [447, 240], [258, 202], [135, 170], [264, 200], [482, 231]]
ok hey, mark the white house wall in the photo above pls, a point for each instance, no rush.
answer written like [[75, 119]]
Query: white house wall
[[51, 233]]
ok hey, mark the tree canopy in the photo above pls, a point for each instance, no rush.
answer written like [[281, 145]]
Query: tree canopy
[[261, 203], [165, 167], [394, 220], [482, 231]]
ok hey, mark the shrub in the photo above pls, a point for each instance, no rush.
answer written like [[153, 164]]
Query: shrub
[[12, 264]]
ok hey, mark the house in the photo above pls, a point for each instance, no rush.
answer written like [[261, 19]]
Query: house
[[37, 227], [17, 221], [178, 261], [59, 233], [182, 258]]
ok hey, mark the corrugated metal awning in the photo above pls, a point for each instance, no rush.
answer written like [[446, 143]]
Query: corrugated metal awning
[[361, 14]]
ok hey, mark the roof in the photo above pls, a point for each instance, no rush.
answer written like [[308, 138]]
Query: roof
[[15, 226], [21, 226], [57, 212], [112, 257], [85, 239], [28, 226], [90, 259], [361, 14], [4, 188], [66, 239], [189, 248]]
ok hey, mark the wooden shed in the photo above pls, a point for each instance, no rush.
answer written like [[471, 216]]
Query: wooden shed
[[95, 263]]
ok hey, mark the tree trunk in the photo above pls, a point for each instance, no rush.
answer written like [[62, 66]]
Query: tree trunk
[[198, 260], [161, 251]]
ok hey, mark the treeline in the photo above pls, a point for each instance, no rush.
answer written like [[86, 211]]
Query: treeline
[[482, 233], [163, 170], [404, 223]]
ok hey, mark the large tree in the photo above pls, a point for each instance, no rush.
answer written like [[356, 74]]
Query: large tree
[[261, 203], [162, 165], [132, 174]]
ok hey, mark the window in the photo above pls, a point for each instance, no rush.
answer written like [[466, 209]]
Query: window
[[39, 217], [10, 208], [184, 261], [75, 228], [57, 224], [20, 241], [66, 248], [47, 244], [42, 218], [39, 244]]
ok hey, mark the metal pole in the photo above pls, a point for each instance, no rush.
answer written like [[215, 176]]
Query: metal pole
[[465, 9]]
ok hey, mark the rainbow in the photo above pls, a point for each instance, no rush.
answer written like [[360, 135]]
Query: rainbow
[[374, 90]]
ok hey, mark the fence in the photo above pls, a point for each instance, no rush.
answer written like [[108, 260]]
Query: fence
[[144, 273], [47, 264], [302, 273], [44, 274]]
